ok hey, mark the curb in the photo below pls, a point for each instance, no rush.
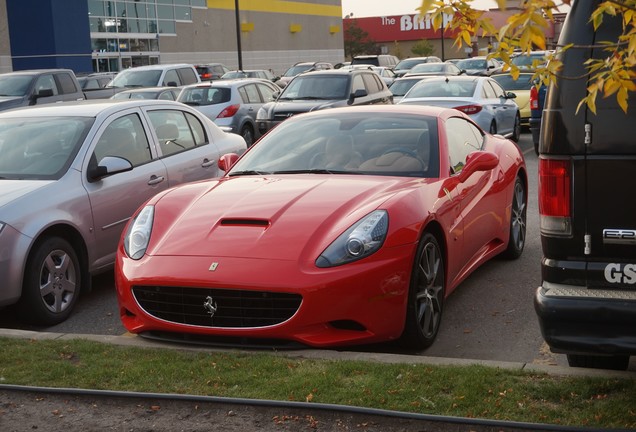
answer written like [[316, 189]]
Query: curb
[[133, 340]]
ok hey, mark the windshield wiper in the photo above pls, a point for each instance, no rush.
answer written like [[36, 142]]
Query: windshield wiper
[[248, 172], [316, 171]]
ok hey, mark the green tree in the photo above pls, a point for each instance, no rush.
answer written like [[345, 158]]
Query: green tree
[[423, 48], [525, 30], [397, 50], [357, 41]]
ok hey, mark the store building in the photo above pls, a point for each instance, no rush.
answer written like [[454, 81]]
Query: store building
[[110, 35], [398, 34]]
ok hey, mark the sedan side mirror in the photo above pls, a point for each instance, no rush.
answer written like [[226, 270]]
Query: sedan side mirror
[[357, 94]]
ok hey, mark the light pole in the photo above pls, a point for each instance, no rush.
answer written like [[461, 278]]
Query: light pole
[[238, 34]]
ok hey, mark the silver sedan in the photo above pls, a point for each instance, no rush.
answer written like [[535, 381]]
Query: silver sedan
[[72, 174], [482, 98]]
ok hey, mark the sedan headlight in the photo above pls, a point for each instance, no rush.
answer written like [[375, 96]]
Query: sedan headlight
[[138, 233], [361, 240], [261, 114]]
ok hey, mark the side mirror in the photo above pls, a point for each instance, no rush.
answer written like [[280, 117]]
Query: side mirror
[[510, 95], [227, 160], [478, 161], [172, 84], [44, 93], [357, 94], [109, 165]]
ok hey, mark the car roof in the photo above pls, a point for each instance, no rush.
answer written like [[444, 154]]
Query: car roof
[[83, 108], [150, 89], [159, 66], [36, 71], [397, 109], [228, 82]]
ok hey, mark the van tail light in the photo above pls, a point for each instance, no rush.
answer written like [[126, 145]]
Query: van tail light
[[469, 109], [229, 111], [534, 98], [206, 76], [555, 196]]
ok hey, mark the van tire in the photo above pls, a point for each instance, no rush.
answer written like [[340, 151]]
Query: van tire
[[617, 362]]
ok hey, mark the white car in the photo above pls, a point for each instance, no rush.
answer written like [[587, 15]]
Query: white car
[[72, 174], [482, 98]]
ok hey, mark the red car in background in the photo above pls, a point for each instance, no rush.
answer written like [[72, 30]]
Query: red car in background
[[339, 227]]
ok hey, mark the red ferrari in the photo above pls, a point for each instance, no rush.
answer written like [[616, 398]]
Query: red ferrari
[[342, 226]]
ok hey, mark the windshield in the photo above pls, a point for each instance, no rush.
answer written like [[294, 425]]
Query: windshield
[[400, 87], [40, 148], [205, 95], [443, 88], [136, 78], [317, 87], [472, 64], [523, 82], [428, 67], [15, 85], [295, 70], [407, 64], [376, 143]]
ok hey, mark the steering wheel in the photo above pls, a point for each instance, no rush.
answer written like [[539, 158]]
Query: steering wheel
[[317, 160]]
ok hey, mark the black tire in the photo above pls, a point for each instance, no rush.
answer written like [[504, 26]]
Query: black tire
[[516, 129], [493, 128], [426, 296], [248, 134], [517, 239], [52, 283], [617, 362]]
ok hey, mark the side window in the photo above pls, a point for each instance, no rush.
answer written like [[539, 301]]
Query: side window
[[357, 84], [499, 91], [167, 96], [124, 137], [252, 93], [463, 139], [371, 84], [198, 131], [488, 91], [91, 84], [171, 78], [243, 93], [67, 83], [267, 93], [187, 76], [46, 82], [173, 131]]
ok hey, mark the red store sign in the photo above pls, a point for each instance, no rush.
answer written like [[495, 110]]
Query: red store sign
[[399, 28]]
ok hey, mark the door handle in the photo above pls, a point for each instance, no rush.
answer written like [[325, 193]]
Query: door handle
[[155, 180], [207, 163]]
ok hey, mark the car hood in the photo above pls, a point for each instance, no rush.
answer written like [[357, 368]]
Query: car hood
[[11, 190], [304, 105], [7, 102], [250, 217]]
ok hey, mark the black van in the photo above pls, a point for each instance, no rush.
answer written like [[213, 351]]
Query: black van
[[586, 303]]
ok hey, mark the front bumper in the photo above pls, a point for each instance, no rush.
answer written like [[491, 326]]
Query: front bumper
[[578, 320]]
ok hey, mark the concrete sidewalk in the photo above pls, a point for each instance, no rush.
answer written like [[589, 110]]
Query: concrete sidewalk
[[140, 342]]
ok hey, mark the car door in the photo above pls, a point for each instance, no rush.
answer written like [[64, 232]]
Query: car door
[[506, 108], [480, 211], [45, 89], [115, 198], [251, 102], [184, 145]]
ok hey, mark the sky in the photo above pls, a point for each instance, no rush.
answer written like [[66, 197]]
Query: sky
[[367, 8]]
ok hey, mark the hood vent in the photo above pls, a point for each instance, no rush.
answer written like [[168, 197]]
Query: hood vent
[[245, 222]]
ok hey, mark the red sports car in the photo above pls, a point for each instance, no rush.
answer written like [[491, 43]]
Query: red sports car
[[339, 227]]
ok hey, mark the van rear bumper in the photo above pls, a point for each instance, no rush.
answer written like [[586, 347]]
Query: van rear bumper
[[578, 320]]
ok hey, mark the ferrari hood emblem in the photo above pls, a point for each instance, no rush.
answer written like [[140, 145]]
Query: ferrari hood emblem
[[213, 266], [210, 306]]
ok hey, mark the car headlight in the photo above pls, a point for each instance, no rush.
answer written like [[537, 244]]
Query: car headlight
[[359, 241], [138, 233], [261, 114], [2, 224]]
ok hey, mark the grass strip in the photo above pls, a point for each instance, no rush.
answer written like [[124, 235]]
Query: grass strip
[[461, 391]]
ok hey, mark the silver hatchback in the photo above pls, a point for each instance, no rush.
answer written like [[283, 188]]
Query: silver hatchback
[[231, 103], [72, 174]]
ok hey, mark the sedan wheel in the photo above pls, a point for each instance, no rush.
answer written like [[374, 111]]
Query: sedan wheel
[[51, 284], [493, 128], [517, 239], [248, 135], [516, 129], [618, 362], [426, 295]]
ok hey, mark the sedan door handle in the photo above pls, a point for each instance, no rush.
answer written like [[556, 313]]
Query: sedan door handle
[[207, 163], [155, 180]]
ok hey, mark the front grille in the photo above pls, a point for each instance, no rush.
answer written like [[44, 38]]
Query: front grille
[[282, 116], [234, 308]]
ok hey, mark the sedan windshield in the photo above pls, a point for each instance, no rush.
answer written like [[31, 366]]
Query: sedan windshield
[[14, 85], [372, 143], [40, 148], [136, 78], [317, 87], [443, 88]]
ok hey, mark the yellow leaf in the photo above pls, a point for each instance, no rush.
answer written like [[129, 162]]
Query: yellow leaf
[[621, 98]]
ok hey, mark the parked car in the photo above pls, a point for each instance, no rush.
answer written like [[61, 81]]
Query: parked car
[[376, 60], [481, 65], [385, 73], [402, 85], [95, 80], [441, 68], [232, 103], [531, 60], [538, 93], [405, 65], [160, 75], [339, 227], [299, 68], [586, 303], [163, 93], [251, 73], [324, 89], [520, 86], [37, 87], [482, 98], [211, 71], [72, 174]]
